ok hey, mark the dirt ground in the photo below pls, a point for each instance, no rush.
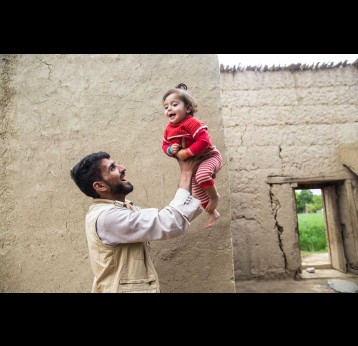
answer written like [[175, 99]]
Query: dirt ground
[[309, 283]]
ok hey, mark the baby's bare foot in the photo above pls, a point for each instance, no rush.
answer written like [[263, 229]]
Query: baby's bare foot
[[213, 216]]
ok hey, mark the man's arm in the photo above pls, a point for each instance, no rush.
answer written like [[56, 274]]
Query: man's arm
[[187, 168], [121, 225]]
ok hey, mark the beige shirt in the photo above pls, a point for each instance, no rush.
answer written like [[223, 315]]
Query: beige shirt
[[117, 235], [123, 225]]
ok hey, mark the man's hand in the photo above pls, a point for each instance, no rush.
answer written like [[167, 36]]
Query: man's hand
[[188, 167], [191, 164]]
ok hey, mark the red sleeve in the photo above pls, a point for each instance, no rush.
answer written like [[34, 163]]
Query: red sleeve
[[202, 141], [165, 144], [165, 147]]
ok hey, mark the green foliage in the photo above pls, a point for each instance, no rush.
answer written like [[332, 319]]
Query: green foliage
[[312, 232], [303, 198], [316, 204]]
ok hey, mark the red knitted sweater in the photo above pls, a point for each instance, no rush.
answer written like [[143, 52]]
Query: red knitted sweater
[[190, 133]]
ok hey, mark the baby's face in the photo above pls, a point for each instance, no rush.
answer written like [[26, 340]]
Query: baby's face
[[175, 109]]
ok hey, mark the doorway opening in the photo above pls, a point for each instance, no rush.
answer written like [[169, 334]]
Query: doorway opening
[[332, 256], [312, 233]]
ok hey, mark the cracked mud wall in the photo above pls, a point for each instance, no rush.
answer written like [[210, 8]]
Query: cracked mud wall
[[283, 124], [55, 109], [283, 214]]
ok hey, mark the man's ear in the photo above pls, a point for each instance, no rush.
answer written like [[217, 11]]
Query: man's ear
[[100, 186]]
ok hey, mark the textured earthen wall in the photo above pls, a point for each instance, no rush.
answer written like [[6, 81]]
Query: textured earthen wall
[[55, 109], [289, 124]]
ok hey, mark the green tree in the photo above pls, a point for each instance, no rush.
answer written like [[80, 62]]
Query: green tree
[[303, 198], [315, 205]]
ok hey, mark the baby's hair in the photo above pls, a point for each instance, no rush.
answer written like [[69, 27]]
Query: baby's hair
[[185, 96], [182, 86]]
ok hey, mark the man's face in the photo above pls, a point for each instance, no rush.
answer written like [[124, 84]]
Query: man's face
[[113, 175]]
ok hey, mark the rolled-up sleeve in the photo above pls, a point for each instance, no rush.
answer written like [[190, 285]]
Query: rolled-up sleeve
[[121, 225]]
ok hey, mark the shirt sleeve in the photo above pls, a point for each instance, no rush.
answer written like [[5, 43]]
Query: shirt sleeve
[[202, 141], [165, 143], [121, 225], [165, 146], [199, 131]]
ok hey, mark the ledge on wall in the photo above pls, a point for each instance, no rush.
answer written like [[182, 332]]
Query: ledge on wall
[[320, 179]]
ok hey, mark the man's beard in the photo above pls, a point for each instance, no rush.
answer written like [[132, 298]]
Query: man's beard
[[120, 188]]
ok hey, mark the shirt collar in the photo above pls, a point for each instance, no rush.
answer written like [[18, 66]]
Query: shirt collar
[[127, 204]]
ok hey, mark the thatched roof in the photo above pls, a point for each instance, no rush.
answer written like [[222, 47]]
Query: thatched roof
[[292, 67]]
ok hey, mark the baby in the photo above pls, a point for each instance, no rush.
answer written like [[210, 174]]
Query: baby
[[186, 136]]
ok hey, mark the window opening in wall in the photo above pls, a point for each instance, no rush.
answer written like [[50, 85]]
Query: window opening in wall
[[313, 242]]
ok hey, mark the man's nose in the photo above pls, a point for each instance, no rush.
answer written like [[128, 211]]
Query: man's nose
[[121, 168]]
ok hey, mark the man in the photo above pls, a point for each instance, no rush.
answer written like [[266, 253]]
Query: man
[[118, 231]]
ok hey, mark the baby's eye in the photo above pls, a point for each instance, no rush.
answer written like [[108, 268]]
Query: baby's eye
[[175, 104]]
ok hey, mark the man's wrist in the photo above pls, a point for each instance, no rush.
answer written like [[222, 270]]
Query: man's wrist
[[185, 181]]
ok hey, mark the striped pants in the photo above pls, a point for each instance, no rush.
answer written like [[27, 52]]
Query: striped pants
[[203, 178]]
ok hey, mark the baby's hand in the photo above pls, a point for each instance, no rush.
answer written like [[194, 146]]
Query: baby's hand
[[182, 155], [175, 148]]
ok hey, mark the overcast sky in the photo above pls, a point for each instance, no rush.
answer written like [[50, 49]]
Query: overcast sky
[[282, 59]]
